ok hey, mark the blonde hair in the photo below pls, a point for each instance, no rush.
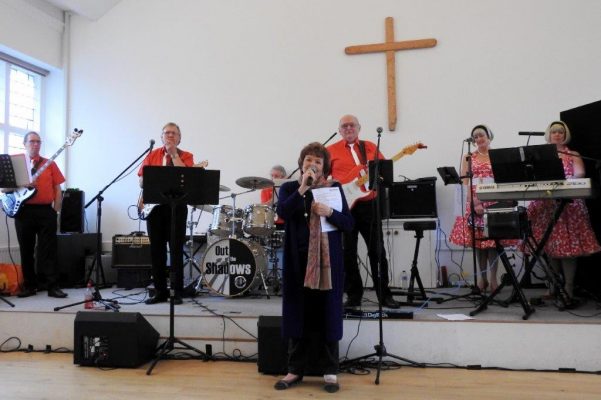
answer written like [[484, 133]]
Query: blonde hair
[[568, 135]]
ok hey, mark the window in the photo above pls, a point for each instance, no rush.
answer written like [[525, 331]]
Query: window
[[20, 104]]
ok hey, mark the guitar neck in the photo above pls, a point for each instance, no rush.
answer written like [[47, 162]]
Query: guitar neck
[[47, 163]]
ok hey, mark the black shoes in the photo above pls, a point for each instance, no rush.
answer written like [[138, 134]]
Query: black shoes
[[26, 292], [352, 302], [283, 385], [57, 293], [389, 302], [164, 298], [331, 387]]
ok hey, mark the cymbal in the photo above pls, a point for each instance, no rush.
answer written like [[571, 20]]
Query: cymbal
[[254, 182], [205, 207], [223, 188]]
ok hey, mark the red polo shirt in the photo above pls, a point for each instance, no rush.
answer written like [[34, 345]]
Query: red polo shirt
[[155, 158], [342, 161], [46, 182]]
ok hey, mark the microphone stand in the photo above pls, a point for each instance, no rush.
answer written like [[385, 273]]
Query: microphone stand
[[380, 348], [475, 290], [324, 143], [97, 263]]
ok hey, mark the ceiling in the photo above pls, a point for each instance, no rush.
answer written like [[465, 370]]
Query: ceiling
[[91, 9]]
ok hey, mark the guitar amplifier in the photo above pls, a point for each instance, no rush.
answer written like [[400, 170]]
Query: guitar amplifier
[[131, 251]]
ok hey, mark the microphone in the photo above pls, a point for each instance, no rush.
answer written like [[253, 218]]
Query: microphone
[[469, 140], [379, 129], [531, 133], [151, 144], [310, 179]]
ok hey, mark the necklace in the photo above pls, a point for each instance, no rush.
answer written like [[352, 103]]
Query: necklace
[[482, 154]]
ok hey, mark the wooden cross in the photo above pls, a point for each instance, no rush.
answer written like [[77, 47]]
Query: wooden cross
[[390, 47]]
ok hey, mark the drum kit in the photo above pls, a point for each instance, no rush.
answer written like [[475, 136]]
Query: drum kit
[[240, 245]]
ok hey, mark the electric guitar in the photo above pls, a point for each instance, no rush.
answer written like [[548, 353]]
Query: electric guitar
[[144, 210], [353, 185], [12, 202]]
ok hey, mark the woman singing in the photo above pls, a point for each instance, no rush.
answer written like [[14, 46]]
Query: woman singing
[[313, 275]]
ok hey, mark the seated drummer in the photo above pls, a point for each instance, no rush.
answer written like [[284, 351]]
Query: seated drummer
[[267, 194]]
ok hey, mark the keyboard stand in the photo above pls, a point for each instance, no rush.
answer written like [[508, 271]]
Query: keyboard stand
[[508, 278]]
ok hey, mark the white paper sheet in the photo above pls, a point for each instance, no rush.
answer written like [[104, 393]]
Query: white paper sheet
[[331, 197]]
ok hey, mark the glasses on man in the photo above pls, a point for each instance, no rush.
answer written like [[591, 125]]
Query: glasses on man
[[34, 141], [349, 125]]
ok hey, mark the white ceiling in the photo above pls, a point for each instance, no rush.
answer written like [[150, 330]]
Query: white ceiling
[[91, 9]]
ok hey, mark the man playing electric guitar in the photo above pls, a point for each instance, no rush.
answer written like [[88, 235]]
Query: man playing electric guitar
[[346, 155], [158, 221], [38, 219]]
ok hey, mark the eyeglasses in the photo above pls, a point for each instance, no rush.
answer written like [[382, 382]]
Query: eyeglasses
[[348, 125], [171, 133], [34, 141]]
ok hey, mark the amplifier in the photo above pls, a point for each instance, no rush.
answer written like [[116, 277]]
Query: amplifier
[[131, 251]]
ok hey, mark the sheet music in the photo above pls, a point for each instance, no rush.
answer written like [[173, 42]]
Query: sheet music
[[330, 196]]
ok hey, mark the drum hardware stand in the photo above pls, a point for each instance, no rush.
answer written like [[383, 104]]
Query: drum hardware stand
[[191, 261], [418, 228], [380, 348]]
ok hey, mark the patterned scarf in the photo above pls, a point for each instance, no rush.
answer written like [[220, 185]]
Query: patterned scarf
[[319, 273]]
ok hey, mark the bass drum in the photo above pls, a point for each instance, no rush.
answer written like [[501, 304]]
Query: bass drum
[[231, 267]]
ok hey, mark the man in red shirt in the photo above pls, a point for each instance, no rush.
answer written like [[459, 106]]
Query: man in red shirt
[[37, 219], [349, 158], [159, 220]]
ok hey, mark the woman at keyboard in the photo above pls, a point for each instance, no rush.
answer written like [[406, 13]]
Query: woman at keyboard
[[572, 235], [461, 234]]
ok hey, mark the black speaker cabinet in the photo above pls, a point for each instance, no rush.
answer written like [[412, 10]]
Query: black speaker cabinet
[[273, 350], [72, 250], [413, 199], [131, 251], [72, 211], [113, 339]]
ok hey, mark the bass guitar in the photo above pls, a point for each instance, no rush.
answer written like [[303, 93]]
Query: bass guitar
[[12, 201], [353, 185]]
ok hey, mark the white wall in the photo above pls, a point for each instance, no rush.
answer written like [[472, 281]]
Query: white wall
[[251, 82]]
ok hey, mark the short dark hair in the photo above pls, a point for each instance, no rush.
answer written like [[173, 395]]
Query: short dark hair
[[29, 134], [318, 150]]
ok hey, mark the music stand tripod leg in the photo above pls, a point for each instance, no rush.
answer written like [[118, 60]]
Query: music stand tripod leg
[[6, 301]]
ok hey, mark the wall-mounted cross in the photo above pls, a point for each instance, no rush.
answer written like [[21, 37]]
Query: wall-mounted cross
[[390, 47]]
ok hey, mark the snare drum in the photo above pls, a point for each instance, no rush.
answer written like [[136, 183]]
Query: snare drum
[[222, 221], [232, 266], [259, 220]]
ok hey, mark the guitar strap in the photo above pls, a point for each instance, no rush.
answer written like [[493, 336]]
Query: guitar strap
[[362, 152], [35, 167]]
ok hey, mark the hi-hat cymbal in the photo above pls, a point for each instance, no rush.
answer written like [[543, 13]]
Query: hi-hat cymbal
[[205, 207], [254, 182], [223, 188]]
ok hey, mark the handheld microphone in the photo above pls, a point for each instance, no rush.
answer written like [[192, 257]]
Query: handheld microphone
[[310, 179], [469, 140], [151, 144], [379, 129], [531, 133]]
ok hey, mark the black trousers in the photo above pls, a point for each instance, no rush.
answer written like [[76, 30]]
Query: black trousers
[[159, 233], [37, 223], [365, 224], [312, 352]]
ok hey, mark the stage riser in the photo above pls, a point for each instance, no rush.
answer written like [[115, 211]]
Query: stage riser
[[501, 344]]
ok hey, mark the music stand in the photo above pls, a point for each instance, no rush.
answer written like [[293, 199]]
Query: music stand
[[173, 186], [526, 164]]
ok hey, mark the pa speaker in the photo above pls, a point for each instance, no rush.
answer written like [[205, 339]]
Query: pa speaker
[[273, 350], [113, 339], [413, 199], [72, 211]]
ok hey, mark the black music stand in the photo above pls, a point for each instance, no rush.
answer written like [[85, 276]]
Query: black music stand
[[173, 186]]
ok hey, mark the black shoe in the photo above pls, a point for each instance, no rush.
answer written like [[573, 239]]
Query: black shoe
[[56, 292], [331, 387], [352, 302], [26, 292], [158, 298], [389, 302], [283, 385]]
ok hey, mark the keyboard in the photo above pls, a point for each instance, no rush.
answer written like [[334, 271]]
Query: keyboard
[[580, 188]]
